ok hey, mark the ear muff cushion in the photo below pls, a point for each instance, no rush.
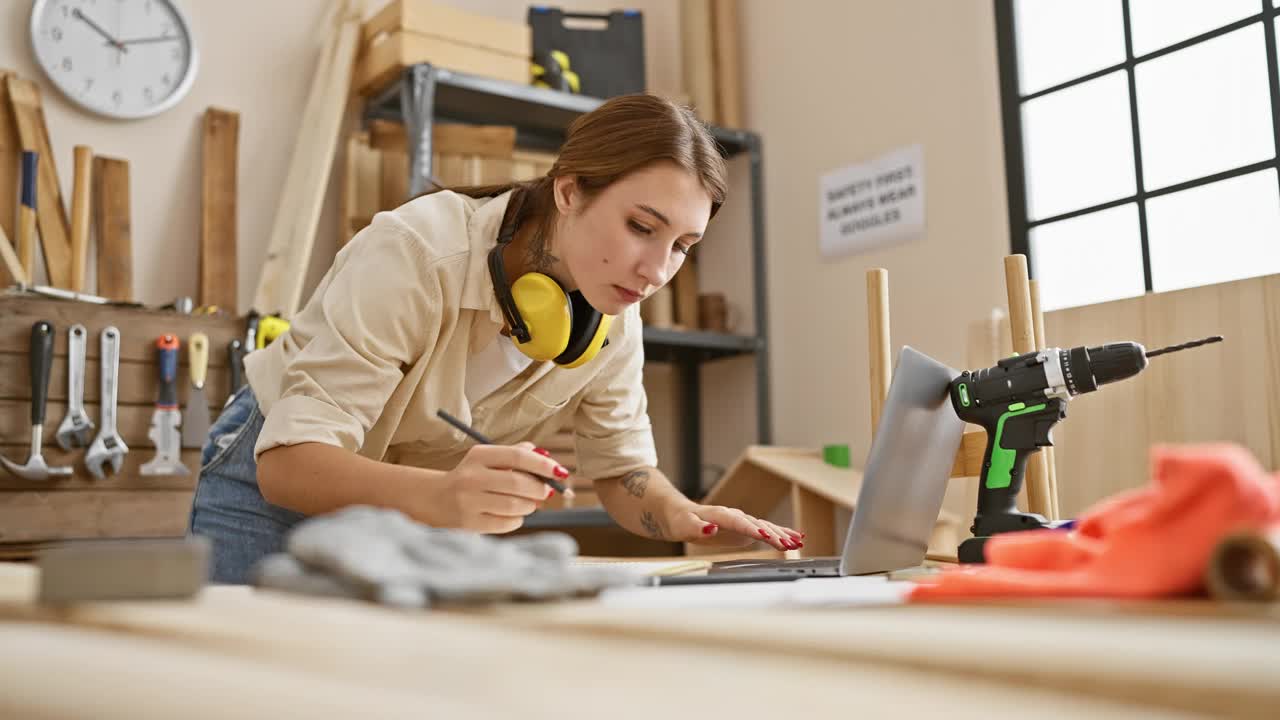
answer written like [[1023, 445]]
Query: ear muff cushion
[[546, 310], [590, 332]]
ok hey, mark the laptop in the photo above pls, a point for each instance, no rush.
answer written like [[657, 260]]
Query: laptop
[[906, 477]]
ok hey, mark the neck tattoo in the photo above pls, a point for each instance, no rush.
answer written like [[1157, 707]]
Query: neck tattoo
[[538, 257]]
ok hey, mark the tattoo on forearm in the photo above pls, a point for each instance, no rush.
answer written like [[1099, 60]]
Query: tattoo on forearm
[[651, 525], [636, 482]]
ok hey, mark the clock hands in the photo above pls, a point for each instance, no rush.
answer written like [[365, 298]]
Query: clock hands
[[139, 41], [77, 14]]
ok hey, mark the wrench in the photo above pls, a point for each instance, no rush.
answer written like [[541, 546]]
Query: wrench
[[76, 429], [108, 448]]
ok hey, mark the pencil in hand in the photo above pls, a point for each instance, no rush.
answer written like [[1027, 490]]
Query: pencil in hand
[[480, 438]]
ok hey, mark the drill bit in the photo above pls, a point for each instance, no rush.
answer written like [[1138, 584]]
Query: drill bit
[[1184, 346]]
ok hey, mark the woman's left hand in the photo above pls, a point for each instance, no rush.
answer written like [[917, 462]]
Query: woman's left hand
[[725, 526]]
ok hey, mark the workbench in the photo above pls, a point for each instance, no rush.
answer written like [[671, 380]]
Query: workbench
[[240, 652]]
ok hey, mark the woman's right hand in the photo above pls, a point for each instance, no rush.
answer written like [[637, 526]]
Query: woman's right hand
[[494, 487]]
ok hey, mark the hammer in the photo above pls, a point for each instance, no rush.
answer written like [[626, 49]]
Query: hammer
[[41, 356]]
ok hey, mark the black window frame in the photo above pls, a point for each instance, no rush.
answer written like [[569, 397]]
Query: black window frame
[[1011, 113]]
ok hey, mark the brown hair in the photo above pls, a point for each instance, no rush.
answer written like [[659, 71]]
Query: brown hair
[[621, 136]]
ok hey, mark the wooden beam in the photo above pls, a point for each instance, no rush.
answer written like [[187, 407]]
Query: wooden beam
[[698, 52], [879, 350], [1039, 498], [112, 225], [298, 213], [11, 264], [10, 157], [1050, 464], [55, 232], [973, 447], [728, 75], [218, 209], [30, 516], [80, 204]]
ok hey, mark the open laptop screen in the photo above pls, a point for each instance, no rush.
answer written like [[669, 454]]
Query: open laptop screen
[[907, 469]]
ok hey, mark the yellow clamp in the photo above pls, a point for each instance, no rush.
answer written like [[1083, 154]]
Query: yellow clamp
[[270, 327]]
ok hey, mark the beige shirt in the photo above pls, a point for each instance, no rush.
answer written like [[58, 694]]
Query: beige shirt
[[385, 340]]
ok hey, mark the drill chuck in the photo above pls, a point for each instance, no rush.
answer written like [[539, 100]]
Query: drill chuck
[[1085, 369]]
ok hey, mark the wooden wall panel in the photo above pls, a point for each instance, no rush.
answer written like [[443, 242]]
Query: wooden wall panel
[[1229, 392]]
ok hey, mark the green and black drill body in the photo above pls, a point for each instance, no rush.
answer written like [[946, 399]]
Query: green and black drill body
[[1018, 402]]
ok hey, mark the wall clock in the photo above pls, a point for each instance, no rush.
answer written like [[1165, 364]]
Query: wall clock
[[123, 59]]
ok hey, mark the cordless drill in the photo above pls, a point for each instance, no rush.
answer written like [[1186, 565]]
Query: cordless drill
[[1018, 402]]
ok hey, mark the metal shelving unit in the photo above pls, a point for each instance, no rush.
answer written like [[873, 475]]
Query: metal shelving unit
[[424, 94]]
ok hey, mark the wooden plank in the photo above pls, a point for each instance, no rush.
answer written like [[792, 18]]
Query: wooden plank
[[113, 227], [1036, 486], [698, 53], [137, 380], [1037, 317], [973, 447], [432, 18], [12, 264], [10, 162], [1271, 285], [749, 487], [80, 188], [456, 138], [879, 347], [363, 183], [55, 231], [129, 477], [384, 60], [139, 328], [298, 214], [218, 209], [1213, 393], [816, 515], [728, 74], [393, 179], [132, 422], [1102, 445], [686, 293], [31, 516]]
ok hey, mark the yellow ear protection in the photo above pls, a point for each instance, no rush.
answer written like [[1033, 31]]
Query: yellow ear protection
[[547, 322]]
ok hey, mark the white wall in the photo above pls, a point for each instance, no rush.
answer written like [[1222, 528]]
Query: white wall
[[833, 83], [257, 58]]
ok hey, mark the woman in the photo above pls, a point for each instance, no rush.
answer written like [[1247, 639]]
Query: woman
[[461, 301]]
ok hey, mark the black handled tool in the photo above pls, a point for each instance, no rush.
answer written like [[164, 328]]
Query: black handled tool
[[41, 359], [1018, 402]]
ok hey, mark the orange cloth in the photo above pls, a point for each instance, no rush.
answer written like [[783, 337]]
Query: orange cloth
[[1150, 542]]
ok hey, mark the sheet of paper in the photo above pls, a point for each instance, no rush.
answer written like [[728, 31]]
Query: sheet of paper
[[809, 592], [674, 567]]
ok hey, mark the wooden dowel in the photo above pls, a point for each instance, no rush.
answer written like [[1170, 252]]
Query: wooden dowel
[[80, 194], [1050, 462], [1022, 327], [878, 347]]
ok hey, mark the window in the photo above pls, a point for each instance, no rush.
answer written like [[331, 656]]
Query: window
[[1141, 143]]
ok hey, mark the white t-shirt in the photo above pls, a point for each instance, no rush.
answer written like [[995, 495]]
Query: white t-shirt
[[493, 367]]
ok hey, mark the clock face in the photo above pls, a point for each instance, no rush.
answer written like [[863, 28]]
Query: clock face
[[119, 58]]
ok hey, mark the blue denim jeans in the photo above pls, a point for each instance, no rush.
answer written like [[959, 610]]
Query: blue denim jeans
[[228, 507]]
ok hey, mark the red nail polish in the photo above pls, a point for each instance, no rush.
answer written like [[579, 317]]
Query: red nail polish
[[550, 492], [799, 544], [542, 452], [561, 472], [709, 528], [803, 535], [764, 534]]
